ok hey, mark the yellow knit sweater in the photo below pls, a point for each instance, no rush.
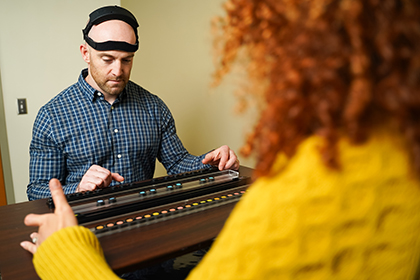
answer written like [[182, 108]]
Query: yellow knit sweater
[[306, 222]]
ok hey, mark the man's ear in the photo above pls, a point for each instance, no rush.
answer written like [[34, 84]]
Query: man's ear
[[85, 53]]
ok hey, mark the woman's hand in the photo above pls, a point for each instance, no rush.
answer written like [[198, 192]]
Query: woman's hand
[[62, 217]]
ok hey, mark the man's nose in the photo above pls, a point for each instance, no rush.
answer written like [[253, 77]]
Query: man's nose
[[117, 68]]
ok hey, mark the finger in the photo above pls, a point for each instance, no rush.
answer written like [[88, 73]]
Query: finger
[[104, 176], [106, 181], [208, 158], [98, 183], [230, 164], [29, 246], [87, 186], [60, 201], [96, 175], [33, 235], [98, 169], [211, 162], [117, 177], [233, 165], [224, 156], [61, 205], [101, 172], [236, 165], [216, 155], [33, 220], [57, 194]]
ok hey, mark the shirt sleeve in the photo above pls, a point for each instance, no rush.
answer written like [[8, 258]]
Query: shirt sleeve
[[72, 253], [47, 159], [173, 155]]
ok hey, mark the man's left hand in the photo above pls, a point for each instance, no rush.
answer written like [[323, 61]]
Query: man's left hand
[[223, 158]]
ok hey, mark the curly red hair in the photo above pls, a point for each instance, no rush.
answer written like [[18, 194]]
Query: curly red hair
[[330, 68]]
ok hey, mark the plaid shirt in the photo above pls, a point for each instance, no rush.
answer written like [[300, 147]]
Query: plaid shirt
[[79, 128]]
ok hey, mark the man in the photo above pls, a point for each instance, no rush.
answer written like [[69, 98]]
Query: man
[[105, 129]]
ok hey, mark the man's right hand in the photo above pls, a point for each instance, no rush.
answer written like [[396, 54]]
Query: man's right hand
[[97, 177]]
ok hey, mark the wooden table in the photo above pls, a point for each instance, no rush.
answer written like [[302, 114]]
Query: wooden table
[[124, 251]]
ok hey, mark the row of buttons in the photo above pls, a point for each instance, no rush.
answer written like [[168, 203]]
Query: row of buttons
[[164, 213], [206, 180], [175, 186], [80, 195], [101, 202]]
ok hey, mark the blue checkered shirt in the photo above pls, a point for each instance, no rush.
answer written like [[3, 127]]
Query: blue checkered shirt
[[79, 128]]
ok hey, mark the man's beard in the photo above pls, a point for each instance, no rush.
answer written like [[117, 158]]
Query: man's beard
[[108, 88]]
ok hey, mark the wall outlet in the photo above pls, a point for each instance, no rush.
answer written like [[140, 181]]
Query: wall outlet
[[22, 109]]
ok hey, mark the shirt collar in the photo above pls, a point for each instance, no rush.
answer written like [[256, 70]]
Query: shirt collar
[[92, 93], [86, 88]]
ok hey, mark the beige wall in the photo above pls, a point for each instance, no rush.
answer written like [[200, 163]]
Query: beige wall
[[39, 57]]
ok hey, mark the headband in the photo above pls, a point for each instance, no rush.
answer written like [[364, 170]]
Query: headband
[[110, 13]]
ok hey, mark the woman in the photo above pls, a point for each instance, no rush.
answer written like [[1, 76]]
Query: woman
[[337, 145]]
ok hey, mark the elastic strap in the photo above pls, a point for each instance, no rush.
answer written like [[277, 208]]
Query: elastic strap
[[111, 13]]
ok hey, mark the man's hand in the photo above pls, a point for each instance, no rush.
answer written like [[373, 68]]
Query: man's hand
[[97, 177], [49, 223], [223, 158]]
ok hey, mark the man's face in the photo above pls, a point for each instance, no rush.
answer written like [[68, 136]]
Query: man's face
[[110, 70]]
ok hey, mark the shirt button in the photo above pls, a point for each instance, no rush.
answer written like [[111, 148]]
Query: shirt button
[[99, 94], [119, 156], [112, 107], [115, 130]]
